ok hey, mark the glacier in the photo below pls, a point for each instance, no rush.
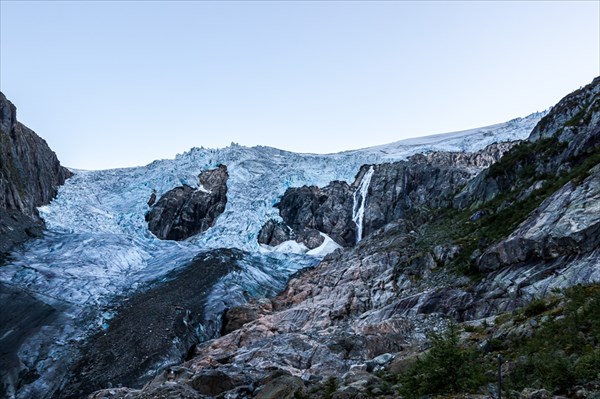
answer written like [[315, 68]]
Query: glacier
[[97, 249]]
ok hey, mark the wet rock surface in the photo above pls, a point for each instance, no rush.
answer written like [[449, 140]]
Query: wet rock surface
[[30, 174], [184, 211]]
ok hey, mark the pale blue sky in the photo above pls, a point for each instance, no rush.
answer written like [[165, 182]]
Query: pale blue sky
[[111, 84]]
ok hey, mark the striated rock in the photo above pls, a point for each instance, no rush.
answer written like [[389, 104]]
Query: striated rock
[[30, 174], [235, 318], [185, 211], [567, 223]]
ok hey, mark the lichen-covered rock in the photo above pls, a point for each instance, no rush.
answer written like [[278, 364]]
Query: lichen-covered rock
[[185, 211]]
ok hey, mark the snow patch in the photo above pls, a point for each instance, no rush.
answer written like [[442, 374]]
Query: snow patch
[[327, 247]]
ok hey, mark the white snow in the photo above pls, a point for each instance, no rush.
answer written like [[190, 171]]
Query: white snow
[[327, 247]]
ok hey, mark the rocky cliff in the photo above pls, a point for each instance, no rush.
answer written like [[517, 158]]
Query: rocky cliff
[[493, 253], [29, 176], [184, 211], [391, 191]]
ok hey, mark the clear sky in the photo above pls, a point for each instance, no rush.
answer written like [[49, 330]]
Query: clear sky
[[112, 84]]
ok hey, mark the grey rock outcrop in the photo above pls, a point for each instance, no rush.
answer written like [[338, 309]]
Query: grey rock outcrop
[[30, 174], [274, 233], [184, 211], [327, 209]]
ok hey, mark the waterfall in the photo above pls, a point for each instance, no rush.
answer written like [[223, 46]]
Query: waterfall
[[360, 198]]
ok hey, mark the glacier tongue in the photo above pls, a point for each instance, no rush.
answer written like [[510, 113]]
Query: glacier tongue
[[98, 248]]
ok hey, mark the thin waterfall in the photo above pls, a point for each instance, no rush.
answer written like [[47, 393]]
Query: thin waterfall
[[360, 198]]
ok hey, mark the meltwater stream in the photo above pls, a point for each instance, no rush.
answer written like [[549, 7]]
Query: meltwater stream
[[360, 199], [97, 252]]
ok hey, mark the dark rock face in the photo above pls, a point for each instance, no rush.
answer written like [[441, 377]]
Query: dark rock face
[[274, 233], [184, 211], [327, 209], [29, 176]]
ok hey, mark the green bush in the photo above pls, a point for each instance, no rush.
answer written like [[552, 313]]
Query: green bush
[[446, 368], [563, 352], [535, 307], [588, 366]]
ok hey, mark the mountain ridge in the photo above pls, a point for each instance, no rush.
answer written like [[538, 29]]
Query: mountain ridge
[[342, 311]]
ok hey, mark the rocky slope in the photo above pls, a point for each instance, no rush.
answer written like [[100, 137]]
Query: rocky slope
[[29, 176], [471, 250], [184, 211]]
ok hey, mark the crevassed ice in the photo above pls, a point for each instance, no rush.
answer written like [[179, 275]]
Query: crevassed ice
[[98, 235]]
